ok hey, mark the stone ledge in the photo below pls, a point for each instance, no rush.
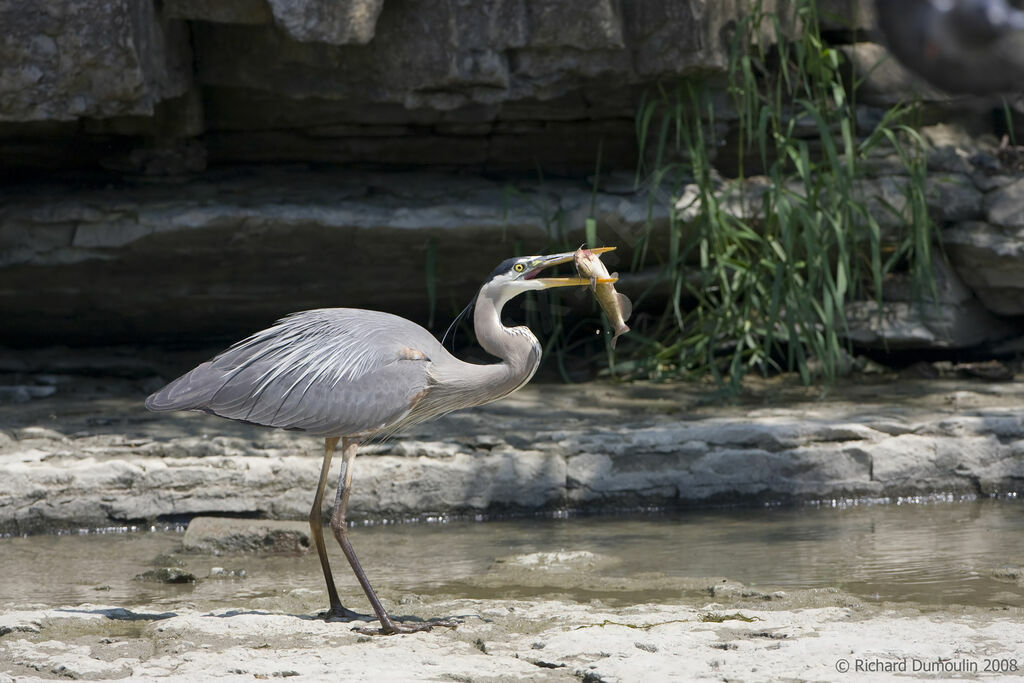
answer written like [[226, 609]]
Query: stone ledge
[[594, 447], [228, 253], [225, 253]]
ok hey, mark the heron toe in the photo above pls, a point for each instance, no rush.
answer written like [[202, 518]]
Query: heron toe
[[401, 627]]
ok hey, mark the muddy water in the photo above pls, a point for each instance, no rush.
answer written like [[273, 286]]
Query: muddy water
[[934, 554]]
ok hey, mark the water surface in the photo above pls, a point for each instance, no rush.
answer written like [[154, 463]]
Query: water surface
[[934, 554]]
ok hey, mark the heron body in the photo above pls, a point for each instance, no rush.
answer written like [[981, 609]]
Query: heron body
[[351, 375], [344, 372]]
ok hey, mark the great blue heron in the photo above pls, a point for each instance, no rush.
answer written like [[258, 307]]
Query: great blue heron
[[351, 375]]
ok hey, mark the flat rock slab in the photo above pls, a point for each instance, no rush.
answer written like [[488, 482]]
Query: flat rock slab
[[504, 640], [216, 535], [91, 456]]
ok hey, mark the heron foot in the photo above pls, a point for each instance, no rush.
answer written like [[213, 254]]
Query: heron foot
[[339, 613], [401, 627]]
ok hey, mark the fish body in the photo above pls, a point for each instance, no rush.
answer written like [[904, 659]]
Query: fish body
[[615, 305]]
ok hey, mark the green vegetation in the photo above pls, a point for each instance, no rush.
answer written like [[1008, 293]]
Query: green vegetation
[[762, 272]]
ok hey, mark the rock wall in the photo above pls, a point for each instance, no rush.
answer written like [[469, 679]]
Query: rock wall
[[233, 250], [498, 83], [223, 254], [66, 60], [183, 170]]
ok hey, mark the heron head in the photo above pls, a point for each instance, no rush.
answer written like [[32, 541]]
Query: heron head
[[520, 273], [517, 275], [514, 276]]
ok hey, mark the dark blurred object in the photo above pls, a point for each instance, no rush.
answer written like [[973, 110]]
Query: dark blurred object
[[1010, 156], [961, 46], [992, 370]]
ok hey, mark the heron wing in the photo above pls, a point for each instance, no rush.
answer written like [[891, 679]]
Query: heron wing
[[330, 372]]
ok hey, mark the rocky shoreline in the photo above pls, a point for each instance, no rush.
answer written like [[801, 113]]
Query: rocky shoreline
[[90, 456]]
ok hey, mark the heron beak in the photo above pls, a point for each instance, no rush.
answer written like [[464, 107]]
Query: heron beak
[[550, 282], [542, 262]]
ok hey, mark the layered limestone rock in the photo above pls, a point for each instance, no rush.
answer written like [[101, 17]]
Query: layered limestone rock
[[989, 254], [228, 252], [596, 447], [907, 319], [233, 251], [144, 96], [505, 83], [63, 60]]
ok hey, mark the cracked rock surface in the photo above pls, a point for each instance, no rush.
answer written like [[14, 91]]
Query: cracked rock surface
[[549, 640], [89, 455]]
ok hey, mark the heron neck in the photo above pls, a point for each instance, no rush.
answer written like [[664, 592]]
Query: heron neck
[[517, 347]]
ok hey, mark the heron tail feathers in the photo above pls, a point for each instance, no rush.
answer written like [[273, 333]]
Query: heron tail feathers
[[191, 391]]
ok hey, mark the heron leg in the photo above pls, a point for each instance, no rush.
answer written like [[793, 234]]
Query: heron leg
[[340, 528], [316, 527]]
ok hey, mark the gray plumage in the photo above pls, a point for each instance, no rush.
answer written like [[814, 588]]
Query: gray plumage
[[347, 372], [352, 375], [328, 372]]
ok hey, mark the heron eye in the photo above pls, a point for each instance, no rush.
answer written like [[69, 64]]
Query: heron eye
[[518, 267]]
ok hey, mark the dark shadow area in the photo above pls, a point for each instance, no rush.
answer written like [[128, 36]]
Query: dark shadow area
[[121, 614]]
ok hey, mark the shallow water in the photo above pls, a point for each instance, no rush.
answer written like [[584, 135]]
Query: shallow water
[[937, 554]]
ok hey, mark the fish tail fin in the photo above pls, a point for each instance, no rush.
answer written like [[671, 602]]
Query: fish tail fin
[[619, 331]]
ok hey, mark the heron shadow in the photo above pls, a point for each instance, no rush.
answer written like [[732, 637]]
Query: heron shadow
[[122, 614], [459, 619], [363, 618], [244, 612]]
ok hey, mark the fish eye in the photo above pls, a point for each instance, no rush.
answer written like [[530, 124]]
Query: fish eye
[[519, 267]]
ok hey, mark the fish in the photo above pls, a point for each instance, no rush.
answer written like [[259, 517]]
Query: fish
[[616, 306]]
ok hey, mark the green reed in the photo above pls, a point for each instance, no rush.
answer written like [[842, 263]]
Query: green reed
[[762, 272]]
